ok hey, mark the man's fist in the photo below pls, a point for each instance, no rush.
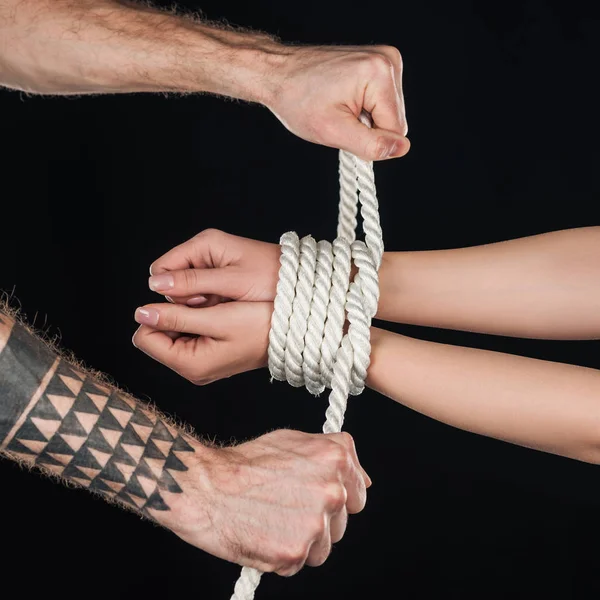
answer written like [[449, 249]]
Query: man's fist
[[321, 91], [275, 503]]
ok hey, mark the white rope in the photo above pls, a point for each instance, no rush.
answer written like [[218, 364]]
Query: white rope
[[307, 344]]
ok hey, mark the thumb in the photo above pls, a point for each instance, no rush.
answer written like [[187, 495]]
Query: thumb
[[370, 143]]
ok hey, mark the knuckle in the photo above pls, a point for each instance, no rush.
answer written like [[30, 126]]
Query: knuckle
[[394, 55], [348, 439], [338, 457], [379, 64], [335, 497], [169, 320], [316, 526], [190, 278], [288, 571], [292, 557], [210, 233]]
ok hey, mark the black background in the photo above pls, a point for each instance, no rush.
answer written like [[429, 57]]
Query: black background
[[502, 109]]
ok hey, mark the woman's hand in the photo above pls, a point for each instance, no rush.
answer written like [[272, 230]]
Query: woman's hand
[[215, 265], [205, 344]]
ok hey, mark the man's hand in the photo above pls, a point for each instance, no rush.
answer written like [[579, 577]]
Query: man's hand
[[321, 92], [317, 92], [275, 503]]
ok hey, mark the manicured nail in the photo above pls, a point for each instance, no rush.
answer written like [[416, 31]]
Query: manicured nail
[[196, 300], [160, 283], [146, 316]]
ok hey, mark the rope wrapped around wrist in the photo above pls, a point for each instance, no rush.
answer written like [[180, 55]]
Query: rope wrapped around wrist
[[307, 343]]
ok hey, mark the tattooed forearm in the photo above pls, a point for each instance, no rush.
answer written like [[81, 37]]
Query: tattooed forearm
[[56, 417]]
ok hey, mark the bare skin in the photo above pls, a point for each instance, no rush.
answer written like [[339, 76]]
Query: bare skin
[[107, 46], [542, 286], [274, 503]]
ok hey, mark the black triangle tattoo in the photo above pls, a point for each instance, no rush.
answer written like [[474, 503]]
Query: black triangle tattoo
[[97, 441], [85, 405], [16, 446], [160, 432], [45, 459], [174, 464], [28, 431], [144, 470], [58, 446], [115, 402], [72, 471], [99, 486], [131, 437], [72, 426], [139, 418], [58, 388], [134, 487], [45, 410], [125, 498], [121, 456], [181, 445], [90, 388], [168, 483], [112, 473], [156, 502], [107, 421], [151, 451], [84, 458]]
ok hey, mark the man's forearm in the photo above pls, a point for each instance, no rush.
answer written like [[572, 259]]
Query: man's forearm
[[56, 417], [548, 406], [544, 286], [104, 46]]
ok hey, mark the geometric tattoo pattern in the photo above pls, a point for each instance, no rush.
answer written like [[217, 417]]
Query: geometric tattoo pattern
[[98, 438]]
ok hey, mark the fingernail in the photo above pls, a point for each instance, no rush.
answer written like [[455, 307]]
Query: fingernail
[[390, 151], [146, 316], [401, 148], [196, 301], [160, 283]]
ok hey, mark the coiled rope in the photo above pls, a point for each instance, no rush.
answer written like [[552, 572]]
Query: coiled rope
[[307, 343]]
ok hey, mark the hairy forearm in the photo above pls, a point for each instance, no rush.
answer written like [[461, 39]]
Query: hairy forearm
[[104, 46], [544, 286], [70, 424], [548, 406]]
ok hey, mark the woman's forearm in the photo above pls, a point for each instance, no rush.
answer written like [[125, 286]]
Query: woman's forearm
[[548, 406], [543, 286], [103, 46]]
